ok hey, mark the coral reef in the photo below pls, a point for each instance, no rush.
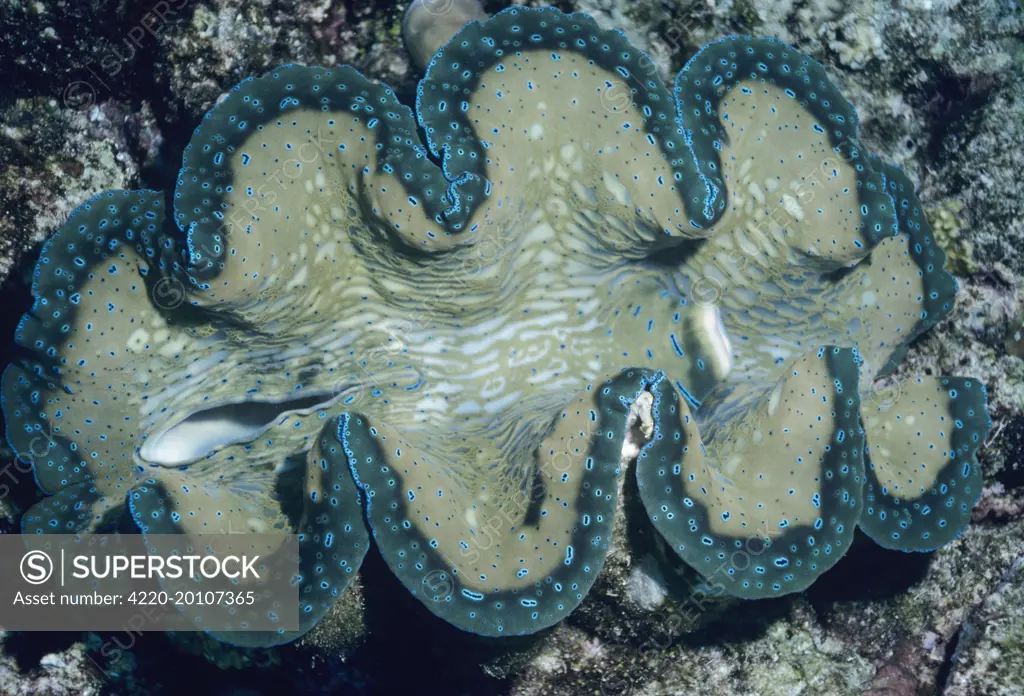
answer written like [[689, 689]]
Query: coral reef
[[890, 62], [67, 673], [990, 655], [959, 251], [181, 372]]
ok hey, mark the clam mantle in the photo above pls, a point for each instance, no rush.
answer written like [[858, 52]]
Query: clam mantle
[[343, 331]]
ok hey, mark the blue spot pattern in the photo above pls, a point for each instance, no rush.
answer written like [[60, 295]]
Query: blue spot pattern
[[282, 298]]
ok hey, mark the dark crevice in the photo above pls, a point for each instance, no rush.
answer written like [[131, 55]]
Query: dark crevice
[[949, 659], [427, 644], [30, 647], [954, 111], [1011, 442], [868, 572]]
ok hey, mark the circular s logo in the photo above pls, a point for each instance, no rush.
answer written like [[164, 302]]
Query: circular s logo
[[439, 585], [437, 7], [168, 293], [616, 96], [36, 567]]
